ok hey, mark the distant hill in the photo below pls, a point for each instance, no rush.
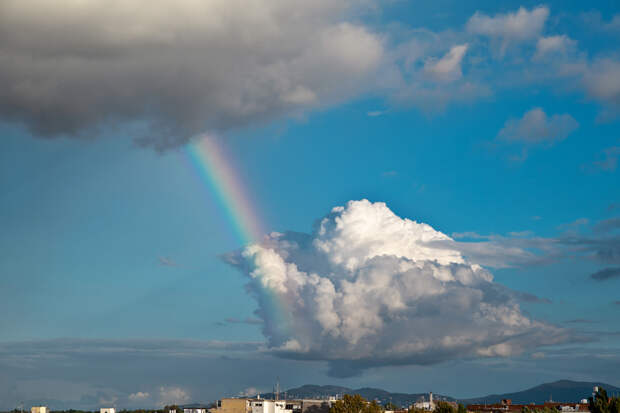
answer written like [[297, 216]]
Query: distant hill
[[311, 391], [561, 391]]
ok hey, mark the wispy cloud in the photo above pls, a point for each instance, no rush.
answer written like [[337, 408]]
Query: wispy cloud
[[247, 320], [579, 321], [606, 274], [598, 244], [609, 161], [535, 128], [167, 262], [375, 113]]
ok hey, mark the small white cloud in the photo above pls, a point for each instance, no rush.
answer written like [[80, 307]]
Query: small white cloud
[[538, 355], [602, 81], [510, 28], [375, 113], [249, 392], [138, 396], [172, 395], [448, 68], [535, 127], [167, 262], [553, 45], [389, 173]]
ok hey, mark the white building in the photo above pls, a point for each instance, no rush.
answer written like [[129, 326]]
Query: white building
[[426, 405], [270, 406], [107, 410], [195, 410], [39, 409]]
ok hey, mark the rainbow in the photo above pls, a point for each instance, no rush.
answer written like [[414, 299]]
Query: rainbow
[[215, 169]]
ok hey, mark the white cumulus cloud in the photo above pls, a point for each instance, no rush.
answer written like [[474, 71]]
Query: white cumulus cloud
[[510, 28], [368, 288]]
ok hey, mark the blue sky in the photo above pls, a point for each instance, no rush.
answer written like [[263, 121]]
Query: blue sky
[[518, 130]]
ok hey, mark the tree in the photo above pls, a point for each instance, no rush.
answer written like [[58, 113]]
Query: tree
[[355, 404], [444, 407], [349, 404], [461, 408], [373, 407], [391, 406], [599, 402]]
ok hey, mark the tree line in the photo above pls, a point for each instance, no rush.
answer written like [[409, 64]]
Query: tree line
[[357, 404]]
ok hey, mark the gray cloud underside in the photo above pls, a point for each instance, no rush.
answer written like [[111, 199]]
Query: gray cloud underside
[[88, 381], [127, 347], [206, 67]]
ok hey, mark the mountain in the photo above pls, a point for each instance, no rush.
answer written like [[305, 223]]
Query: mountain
[[311, 391], [562, 391]]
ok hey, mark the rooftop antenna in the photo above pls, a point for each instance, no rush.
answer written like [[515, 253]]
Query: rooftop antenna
[[278, 388]]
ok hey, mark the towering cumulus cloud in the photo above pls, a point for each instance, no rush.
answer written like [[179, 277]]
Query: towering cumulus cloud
[[367, 288]]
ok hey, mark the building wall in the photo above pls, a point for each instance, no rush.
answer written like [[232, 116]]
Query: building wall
[[107, 410], [315, 406], [198, 410], [39, 409], [231, 405], [270, 406]]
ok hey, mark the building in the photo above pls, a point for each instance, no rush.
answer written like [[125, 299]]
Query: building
[[506, 406], [271, 406], [233, 405], [316, 405], [107, 410], [195, 408], [39, 409], [425, 405]]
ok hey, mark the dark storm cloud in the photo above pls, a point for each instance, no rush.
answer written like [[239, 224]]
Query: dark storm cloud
[[194, 67]]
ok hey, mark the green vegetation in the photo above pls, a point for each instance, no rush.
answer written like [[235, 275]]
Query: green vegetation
[[355, 404], [444, 407], [390, 406], [601, 403]]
